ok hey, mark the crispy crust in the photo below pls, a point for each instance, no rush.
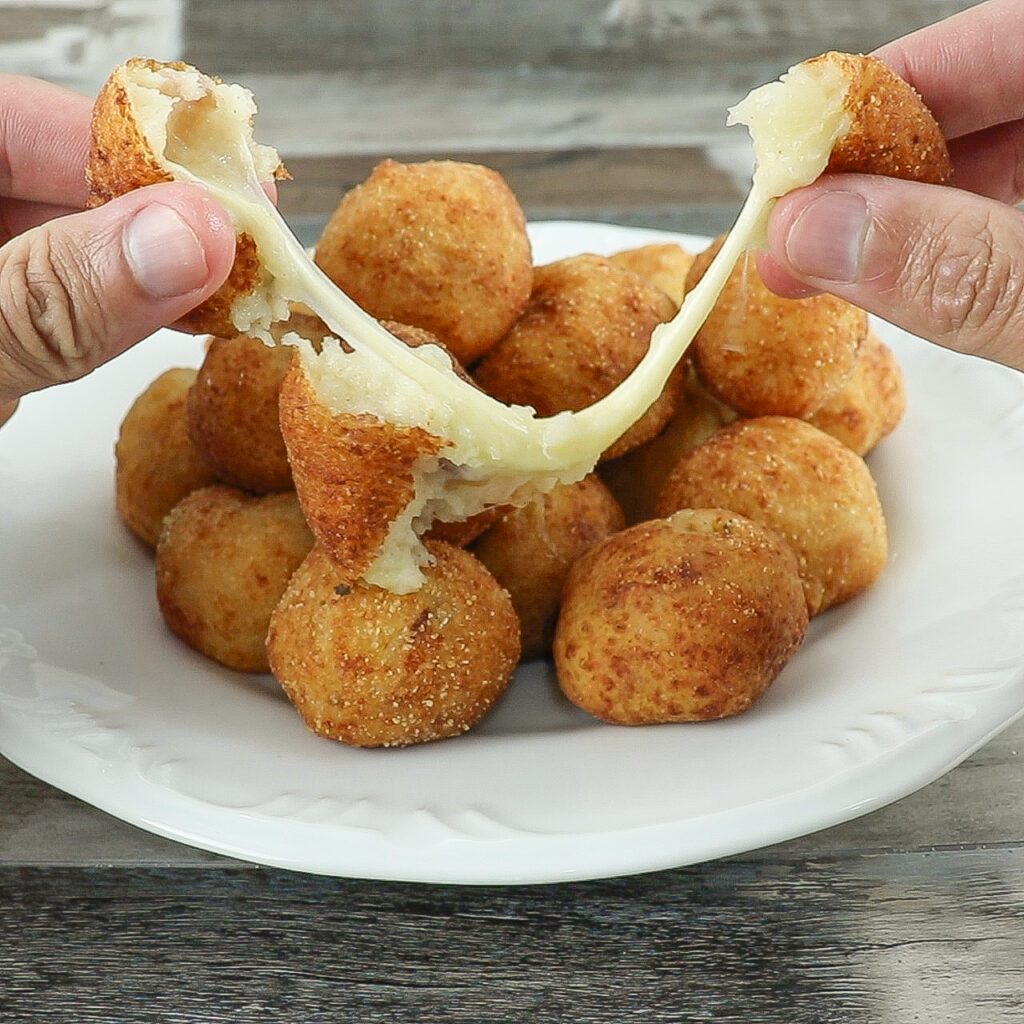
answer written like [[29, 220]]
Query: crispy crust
[[801, 482], [375, 669], [531, 548], [232, 413], [763, 355], [440, 244], [156, 463], [354, 474], [871, 403], [222, 563], [679, 620], [892, 131], [121, 159], [587, 325]]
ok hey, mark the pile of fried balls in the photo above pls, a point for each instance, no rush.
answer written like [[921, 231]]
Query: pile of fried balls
[[672, 584]]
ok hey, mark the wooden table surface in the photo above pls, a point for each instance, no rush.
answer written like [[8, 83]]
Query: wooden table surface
[[912, 913]]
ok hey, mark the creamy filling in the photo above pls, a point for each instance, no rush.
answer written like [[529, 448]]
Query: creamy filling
[[202, 130]]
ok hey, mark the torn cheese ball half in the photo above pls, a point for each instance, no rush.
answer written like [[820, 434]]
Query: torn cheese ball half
[[170, 121]]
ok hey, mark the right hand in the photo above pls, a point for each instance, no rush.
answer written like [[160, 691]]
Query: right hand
[[945, 263]]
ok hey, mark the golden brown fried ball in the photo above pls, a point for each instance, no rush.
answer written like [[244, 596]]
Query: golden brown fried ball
[[799, 481], [765, 355], [530, 549], [232, 413], [376, 669], [156, 464], [679, 620], [637, 478], [122, 158], [664, 264], [891, 130], [353, 472], [222, 563], [870, 405], [440, 245], [586, 326]]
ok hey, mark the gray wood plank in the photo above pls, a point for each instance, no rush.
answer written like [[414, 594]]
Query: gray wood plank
[[299, 35], [935, 938]]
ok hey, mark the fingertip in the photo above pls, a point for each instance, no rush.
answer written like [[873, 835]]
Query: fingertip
[[773, 264], [776, 277], [209, 221]]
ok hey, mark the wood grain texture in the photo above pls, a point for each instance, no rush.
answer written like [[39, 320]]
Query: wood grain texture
[[547, 183], [893, 939], [303, 35], [596, 109]]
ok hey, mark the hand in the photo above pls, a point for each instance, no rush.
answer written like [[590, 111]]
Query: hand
[[945, 263], [77, 287]]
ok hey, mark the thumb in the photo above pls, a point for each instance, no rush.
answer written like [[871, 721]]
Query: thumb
[[944, 264], [80, 289]]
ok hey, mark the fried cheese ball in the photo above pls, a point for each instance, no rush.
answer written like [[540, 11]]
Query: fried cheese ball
[[870, 405], [765, 355], [354, 473], [889, 129], [665, 264], [801, 482], [376, 669], [637, 478], [122, 157], [440, 245], [232, 413], [679, 620], [156, 464], [529, 551], [222, 563], [586, 326]]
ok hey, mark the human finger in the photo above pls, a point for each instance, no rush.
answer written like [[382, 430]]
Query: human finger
[[991, 162], [969, 68], [44, 141], [941, 263], [17, 216], [78, 290]]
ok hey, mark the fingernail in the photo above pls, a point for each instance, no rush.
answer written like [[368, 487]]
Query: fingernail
[[164, 253], [826, 241]]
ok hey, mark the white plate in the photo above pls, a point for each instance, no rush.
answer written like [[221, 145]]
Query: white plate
[[888, 693]]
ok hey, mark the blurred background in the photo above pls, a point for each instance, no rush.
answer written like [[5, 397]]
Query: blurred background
[[609, 109]]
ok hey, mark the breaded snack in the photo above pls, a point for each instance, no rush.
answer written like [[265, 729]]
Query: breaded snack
[[587, 325], [890, 130], [440, 245], [529, 551], [232, 413], [843, 112], [664, 264], [765, 355], [156, 464], [222, 563], [637, 478], [355, 473], [801, 482], [679, 620], [139, 104], [158, 121], [376, 669], [870, 405]]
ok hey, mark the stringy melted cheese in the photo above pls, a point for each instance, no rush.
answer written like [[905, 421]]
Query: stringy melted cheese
[[201, 130]]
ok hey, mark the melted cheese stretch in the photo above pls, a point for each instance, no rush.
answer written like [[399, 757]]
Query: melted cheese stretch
[[202, 131]]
